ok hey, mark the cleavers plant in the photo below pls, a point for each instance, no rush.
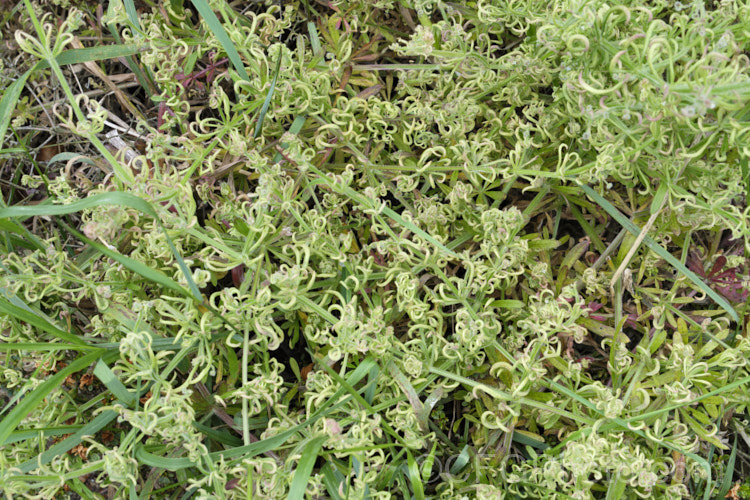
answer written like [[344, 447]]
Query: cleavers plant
[[376, 249]]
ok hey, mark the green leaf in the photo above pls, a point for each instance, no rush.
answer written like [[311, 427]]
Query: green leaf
[[429, 463], [536, 243], [67, 444], [60, 430], [78, 486], [132, 13], [616, 489], [461, 461], [305, 467], [44, 346], [504, 396], [295, 128], [218, 436], [314, 39], [137, 267], [574, 254], [9, 101], [588, 229], [508, 304], [333, 480], [661, 193], [726, 482], [700, 431], [35, 397], [624, 425], [69, 156], [167, 463], [267, 101], [111, 382], [27, 317], [98, 53], [217, 29], [120, 199], [411, 395], [529, 439], [429, 403], [317, 309], [746, 177], [372, 385], [263, 445], [415, 477], [661, 252]]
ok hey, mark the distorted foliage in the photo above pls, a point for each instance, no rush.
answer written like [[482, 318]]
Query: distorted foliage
[[375, 249]]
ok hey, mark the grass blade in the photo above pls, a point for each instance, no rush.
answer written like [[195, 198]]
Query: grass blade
[[9, 101], [70, 442], [35, 397], [217, 29], [726, 482], [132, 13], [218, 436], [616, 488], [26, 317], [267, 101], [60, 430], [527, 438], [14, 228], [623, 424], [111, 382], [43, 346], [411, 395], [78, 486], [137, 267], [333, 480], [167, 463], [295, 129], [262, 446], [98, 53], [661, 252], [504, 396], [745, 177], [304, 468], [415, 477], [124, 200], [314, 39]]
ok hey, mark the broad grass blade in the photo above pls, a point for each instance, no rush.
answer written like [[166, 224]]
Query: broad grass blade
[[70, 442], [125, 200], [661, 252], [27, 317], [221, 35], [35, 397], [9, 101], [304, 468], [111, 382]]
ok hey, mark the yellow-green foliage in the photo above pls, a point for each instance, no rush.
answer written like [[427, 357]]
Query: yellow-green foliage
[[397, 230]]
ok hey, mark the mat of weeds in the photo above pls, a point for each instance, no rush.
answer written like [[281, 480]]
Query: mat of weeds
[[358, 249]]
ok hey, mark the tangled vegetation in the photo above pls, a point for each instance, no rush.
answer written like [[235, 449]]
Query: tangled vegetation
[[358, 249]]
